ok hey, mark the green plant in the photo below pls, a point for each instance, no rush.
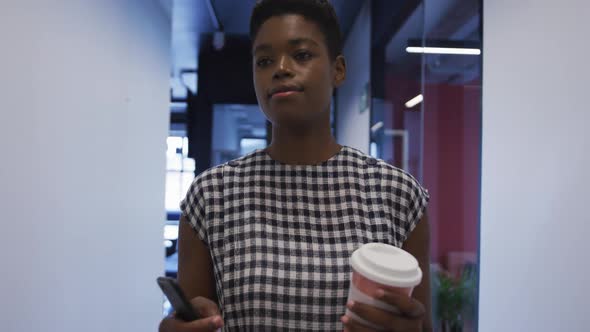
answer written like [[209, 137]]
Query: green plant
[[455, 299]]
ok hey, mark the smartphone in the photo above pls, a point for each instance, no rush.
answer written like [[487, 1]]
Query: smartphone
[[182, 306]]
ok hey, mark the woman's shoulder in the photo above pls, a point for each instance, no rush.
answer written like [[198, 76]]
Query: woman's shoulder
[[216, 172], [389, 174]]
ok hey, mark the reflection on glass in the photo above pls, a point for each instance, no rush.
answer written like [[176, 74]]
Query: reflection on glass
[[452, 145], [426, 119]]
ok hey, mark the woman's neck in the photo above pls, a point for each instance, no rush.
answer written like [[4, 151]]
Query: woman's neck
[[302, 147]]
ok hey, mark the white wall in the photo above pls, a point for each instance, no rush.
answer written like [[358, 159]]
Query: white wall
[[535, 224], [83, 124], [352, 127]]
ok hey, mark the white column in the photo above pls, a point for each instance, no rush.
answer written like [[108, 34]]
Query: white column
[[84, 92], [535, 224]]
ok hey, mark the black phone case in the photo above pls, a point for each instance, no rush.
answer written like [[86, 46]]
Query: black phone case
[[182, 306]]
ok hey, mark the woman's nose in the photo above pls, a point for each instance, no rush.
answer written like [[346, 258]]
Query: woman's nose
[[284, 68]]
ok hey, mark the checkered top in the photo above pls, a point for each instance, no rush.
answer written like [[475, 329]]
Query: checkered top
[[280, 236]]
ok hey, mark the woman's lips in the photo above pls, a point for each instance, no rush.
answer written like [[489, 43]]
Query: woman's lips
[[284, 94], [284, 90]]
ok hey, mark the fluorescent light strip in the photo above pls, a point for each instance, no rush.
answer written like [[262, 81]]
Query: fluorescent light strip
[[414, 101], [377, 126], [443, 50]]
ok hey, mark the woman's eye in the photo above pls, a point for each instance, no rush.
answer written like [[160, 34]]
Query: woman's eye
[[302, 56], [263, 62]]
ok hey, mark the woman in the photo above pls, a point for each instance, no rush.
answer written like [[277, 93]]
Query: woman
[[265, 239]]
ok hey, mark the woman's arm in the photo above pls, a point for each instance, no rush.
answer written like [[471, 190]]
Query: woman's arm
[[414, 313], [195, 268], [195, 277], [418, 244]]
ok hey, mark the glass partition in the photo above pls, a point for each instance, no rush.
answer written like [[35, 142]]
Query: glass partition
[[426, 119]]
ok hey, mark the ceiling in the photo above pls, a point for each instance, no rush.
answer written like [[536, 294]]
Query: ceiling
[[436, 19], [191, 18], [411, 19], [456, 20]]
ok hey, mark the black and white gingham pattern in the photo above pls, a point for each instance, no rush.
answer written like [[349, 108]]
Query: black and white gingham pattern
[[281, 235]]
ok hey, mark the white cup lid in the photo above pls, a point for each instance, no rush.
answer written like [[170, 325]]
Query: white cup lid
[[386, 265]]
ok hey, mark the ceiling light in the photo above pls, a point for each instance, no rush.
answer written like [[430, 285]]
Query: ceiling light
[[443, 50], [377, 126], [414, 101]]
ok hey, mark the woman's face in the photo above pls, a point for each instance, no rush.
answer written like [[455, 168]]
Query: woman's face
[[293, 74]]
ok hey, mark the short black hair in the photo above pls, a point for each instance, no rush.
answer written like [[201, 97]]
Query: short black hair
[[320, 12]]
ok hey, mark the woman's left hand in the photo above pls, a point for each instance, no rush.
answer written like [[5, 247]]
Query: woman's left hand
[[409, 318]]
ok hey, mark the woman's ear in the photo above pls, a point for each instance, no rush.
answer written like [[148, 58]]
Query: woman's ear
[[339, 71]]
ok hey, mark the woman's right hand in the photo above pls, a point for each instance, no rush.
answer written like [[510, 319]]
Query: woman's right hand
[[208, 311]]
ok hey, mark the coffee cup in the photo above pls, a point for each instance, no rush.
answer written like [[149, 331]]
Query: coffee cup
[[380, 266]]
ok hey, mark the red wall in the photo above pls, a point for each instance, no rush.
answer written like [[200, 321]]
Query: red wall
[[450, 162], [451, 171]]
